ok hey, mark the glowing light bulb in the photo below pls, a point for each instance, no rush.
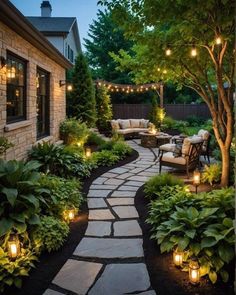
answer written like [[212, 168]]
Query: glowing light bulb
[[194, 52], [168, 52], [218, 40]]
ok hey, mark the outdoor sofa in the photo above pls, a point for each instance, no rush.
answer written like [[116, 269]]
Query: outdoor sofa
[[130, 127]]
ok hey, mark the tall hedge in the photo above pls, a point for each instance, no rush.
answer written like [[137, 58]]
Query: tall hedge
[[81, 101], [104, 108]]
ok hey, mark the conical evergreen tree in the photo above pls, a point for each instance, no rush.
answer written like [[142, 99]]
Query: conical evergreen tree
[[81, 102], [104, 108]]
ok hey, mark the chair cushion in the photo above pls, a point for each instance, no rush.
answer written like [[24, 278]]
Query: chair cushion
[[204, 134], [124, 124], [131, 130], [177, 150], [115, 124], [144, 123], [168, 147], [186, 146], [169, 157], [135, 123]]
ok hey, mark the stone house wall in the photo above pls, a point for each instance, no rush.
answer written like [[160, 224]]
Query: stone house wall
[[23, 134]]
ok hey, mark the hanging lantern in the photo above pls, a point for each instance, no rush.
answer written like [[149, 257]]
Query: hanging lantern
[[218, 40], [168, 52], [194, 52], [13, 246], [178, 257], [194, 272], [88, 152]]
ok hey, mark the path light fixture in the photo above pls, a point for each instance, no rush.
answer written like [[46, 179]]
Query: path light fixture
[[194, 271], [178, 257], [69, 214], [69, 86], [13, 246], [88, 152], [196, 179]]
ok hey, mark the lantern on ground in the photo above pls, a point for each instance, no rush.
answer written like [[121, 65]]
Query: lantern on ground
[[88, 152], [13, 246], [194, 272], [196, 178], [178, 257]]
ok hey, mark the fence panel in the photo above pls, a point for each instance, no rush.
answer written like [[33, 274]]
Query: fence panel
[[176, 111]]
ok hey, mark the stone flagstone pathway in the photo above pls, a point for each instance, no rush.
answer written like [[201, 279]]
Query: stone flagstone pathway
[[109, 260]]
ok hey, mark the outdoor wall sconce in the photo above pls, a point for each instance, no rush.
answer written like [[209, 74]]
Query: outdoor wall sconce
[[2, 62], [13, 246], [178, 257], [196, 179], [88, 152], [68, 85], [194, 272]]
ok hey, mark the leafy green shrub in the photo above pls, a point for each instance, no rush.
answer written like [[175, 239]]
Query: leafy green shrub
[[11, 272], [169, 122], [20, 195], [59, 161], [211, 174], [155, 184], [201, 225], [65, 194], [182, 126], [95, 139], [51, 233], [4, 145], [194, 120], [74, 131], [121, 149], [105, 158]]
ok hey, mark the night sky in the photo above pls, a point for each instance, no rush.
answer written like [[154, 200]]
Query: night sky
[[84, 10]]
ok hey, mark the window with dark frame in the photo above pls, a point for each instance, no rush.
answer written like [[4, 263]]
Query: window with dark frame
[[16, 88], [43, 105]]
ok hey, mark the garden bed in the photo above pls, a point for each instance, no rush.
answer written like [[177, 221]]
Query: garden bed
[[50, 263], [166, 279]]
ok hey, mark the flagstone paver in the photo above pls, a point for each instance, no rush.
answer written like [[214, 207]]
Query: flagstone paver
[[113, 233], [98, 228], [120, 279], [77, 276]]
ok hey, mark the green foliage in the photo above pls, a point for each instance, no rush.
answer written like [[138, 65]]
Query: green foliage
[[157, 114], [105, 158], [95, 139], [81, 101], [11, 272], [121, 149], [168, 122], [154, 186], [4, 145], [211, 174], [60, 161], [65, 194], [201, 225], [21, 196], [51, 233], [104, 108], [74, 131], [195, 120]]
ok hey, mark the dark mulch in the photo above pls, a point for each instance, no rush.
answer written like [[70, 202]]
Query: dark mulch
[[166, 279], [50, 263]]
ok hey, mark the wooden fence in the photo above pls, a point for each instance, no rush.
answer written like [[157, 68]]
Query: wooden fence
[[176, 111]]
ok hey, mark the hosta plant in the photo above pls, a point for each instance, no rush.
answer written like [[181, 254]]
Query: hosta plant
[[202, 226], [20, 195], [105, 158], [211, 174]]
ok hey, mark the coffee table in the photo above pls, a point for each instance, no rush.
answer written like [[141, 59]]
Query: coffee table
[[148, 139]]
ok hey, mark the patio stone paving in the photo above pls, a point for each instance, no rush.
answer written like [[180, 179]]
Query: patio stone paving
[[113, 233]]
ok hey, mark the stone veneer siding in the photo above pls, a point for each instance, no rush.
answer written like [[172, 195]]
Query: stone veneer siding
[[23, 134]]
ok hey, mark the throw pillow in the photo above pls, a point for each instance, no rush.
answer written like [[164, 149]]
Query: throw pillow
[[144, 123], [115, 125], [124, 124], [185, 146], [177, 151], [134, 123]]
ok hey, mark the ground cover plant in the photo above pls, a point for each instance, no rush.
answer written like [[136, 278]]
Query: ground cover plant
[[200, 225]]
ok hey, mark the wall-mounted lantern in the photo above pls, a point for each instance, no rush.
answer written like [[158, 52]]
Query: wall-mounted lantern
[[69, 86]]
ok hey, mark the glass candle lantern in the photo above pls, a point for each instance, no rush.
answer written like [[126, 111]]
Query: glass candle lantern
[[13, 246], [194, 272], [178, 257], [88, 152], [196, 178]]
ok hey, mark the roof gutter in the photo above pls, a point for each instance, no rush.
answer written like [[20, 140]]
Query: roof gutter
[[15, 20]]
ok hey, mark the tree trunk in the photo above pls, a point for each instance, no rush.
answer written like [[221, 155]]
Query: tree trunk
[[225, 152]]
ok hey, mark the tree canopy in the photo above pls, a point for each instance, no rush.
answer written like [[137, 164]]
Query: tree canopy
[[201, 55]]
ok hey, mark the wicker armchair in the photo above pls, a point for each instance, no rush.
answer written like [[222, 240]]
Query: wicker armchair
[[188, 160]]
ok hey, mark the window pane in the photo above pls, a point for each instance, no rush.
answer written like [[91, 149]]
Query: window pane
[[16, 94]]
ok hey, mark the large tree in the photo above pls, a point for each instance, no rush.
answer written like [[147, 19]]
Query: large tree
[[200, 39], [81, 102], [106, 37]]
